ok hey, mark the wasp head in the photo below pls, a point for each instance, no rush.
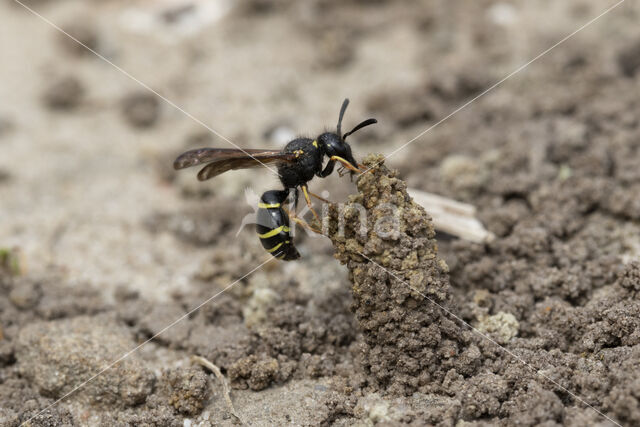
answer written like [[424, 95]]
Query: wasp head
[[335, 143]]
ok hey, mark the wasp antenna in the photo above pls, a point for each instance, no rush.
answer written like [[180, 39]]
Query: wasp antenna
[[359, 126], [342, 110]]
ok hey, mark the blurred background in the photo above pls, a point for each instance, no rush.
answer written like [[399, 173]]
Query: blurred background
[[89, 198]]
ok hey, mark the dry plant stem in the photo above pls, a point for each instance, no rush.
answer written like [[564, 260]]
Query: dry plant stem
[[225, 388], [452, 217]]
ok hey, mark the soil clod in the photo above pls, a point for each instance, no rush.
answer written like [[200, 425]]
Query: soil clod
[[399, 284], [59, 355], [64, 93], [188, 390], [141, 109]]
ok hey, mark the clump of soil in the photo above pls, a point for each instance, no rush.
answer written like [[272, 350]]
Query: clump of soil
[[83, 32], [400, 286], [50, 344], [629, 59], [141, 109], [254, 373], [188, 389], [57, 355], [64, 93]]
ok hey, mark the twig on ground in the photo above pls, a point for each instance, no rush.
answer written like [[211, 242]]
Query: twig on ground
[[452, 217], [225, 388]]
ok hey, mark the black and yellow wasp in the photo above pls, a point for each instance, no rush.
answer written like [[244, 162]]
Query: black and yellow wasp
[[298, 162]]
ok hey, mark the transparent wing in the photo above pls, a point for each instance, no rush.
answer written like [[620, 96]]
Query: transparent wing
[[220, 160]]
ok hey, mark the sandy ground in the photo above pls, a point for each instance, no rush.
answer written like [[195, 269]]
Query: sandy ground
[[113, 245]]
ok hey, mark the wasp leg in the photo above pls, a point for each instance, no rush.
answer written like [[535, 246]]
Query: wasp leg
[[345, 163], [305, 191], [305, 224], [366, 169], [322, 199], [295, 199], [301, 222]]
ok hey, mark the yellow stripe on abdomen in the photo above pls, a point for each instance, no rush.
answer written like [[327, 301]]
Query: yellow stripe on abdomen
[[268, 205], [274, 232], [275, 248]]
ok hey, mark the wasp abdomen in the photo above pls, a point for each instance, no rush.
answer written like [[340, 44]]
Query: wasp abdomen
[[273, 226]]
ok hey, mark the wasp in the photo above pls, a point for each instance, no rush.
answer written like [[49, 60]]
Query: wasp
[[297, 163]]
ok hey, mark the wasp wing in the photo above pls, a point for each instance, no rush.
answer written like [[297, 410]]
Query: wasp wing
[[207, 155], [221, 160]]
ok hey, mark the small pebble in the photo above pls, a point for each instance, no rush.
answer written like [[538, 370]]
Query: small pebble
[[24, 295]]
